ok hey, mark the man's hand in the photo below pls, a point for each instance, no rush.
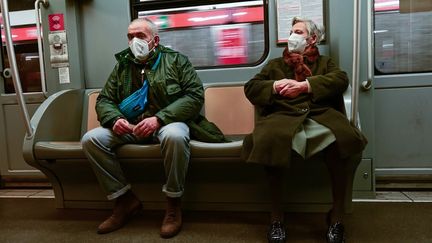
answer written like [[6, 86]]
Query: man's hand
[[122, 127], [146, 127], [290, 88]]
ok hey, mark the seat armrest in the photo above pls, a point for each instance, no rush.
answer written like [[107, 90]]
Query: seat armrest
[[58, 118]]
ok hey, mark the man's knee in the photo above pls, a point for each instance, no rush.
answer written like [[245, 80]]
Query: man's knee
[[87, 139], [93, 137], [175, 133], [175, 138]]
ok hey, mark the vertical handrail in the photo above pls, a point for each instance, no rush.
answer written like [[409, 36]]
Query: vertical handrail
[[39, 40], [356, 66], [367, 85], [12, 61]]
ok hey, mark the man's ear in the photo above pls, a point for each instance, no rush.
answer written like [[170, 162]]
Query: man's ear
[[156, 40]]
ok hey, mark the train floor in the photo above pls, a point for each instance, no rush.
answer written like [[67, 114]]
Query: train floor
[[394, 216]]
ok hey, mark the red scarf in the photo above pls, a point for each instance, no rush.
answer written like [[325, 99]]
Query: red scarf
[[296, 61]]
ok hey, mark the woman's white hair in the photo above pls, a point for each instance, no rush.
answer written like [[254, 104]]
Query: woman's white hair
[[312, 27]]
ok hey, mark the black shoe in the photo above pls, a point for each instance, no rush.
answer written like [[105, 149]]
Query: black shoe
[[276, 233], [336, 233]]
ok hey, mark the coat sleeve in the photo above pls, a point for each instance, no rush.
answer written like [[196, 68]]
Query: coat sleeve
[[188, 105], [331, 83], [259, 90], [107, 102]]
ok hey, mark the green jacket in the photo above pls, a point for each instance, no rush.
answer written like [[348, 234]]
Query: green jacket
[[278, 117], [176, 90]]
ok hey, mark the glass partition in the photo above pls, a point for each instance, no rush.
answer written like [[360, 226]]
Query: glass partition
[[403, 36], [24, 37]]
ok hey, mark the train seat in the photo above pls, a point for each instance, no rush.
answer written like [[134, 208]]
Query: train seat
[[238, 119], [217, 178]]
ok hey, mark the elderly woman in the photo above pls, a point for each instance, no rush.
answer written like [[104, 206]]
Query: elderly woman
[[298, 98]]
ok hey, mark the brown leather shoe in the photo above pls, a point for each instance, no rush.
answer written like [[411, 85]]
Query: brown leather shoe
[[172, 222], [125, 207]]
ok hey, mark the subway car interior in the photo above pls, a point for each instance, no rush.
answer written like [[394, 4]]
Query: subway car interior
[[56, 56]]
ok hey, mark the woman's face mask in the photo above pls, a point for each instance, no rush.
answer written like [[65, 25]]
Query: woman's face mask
[[296, 43], [140, 48]]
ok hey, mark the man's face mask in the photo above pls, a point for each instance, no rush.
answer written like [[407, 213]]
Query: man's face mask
[[296, 43], [140, 48]]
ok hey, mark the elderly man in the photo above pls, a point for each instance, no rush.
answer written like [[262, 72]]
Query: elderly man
[[153, 95], [299, 98]]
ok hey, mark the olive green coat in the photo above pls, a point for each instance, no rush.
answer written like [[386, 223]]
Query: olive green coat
[[278, 117], [176, 90]]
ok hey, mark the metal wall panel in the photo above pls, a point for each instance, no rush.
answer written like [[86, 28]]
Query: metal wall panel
[[403, 128]]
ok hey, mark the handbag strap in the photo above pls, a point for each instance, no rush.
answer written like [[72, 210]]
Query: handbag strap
[[157, 62], [144, 88]]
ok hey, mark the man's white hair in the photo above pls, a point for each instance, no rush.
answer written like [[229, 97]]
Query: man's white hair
[[147, 21]]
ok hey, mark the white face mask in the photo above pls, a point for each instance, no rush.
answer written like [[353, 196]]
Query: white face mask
[[140, 48], [296, 43]]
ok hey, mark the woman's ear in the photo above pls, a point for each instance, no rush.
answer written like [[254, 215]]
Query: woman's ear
[[312, 40]]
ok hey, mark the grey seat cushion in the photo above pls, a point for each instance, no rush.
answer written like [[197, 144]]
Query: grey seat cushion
[[52, 150]]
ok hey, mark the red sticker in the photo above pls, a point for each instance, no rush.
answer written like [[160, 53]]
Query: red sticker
[[56, 22]]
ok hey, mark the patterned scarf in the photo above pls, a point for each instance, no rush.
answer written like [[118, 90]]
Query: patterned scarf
[[296, 61]]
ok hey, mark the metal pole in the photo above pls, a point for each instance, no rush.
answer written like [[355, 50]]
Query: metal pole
[[39, 39], [355, 62], [15, 76], [367, 85]]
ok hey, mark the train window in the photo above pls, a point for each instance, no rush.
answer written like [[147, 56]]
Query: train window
[[214, 34], [23, 28], [27, 58], [21, 5], [403, 36]]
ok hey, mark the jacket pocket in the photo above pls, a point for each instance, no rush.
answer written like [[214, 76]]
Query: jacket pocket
[[173, 89]]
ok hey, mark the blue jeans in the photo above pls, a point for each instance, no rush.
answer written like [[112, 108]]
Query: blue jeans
[[99, 146]]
